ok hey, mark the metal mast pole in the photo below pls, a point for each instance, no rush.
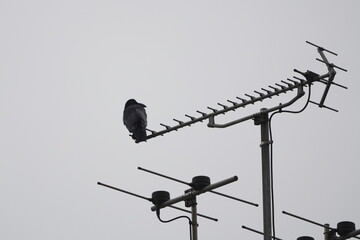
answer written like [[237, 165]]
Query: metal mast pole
[[194, 221], [263, 120], [327, 232]]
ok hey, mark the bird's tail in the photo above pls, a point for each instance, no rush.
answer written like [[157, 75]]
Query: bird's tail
[[139, 133]]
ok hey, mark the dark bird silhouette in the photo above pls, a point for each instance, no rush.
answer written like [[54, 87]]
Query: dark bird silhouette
[[135, 119]]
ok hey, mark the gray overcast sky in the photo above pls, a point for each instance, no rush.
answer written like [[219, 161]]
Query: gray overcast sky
[[68, 67]]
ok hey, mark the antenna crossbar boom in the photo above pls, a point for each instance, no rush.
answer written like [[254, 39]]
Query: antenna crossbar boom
[[194, 193], [235, 106]]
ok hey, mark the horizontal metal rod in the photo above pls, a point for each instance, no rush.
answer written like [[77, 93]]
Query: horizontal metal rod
[[194, 193], [301, 80], [287, 83], [274, 88], [191, 117], [251, 97], [200, 215], [321, 48], [261, 94], [332, 65], [166, 126], [336, 84], [266, 90], [307, 220], [232, 102], [281, 86], [222, 105], [243, 100], [323, 106], [164, 176], [256, 231], [202, 113], [293, 81], [212, 109], [127, 192], [234, 198], [178, 121], [152, 131]]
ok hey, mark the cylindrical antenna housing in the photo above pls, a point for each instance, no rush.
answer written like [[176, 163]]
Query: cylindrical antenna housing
[[199, 182], [305, 238], [159, 197], [345, 227]]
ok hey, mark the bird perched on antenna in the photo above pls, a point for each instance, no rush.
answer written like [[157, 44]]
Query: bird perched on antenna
[[135, 119]]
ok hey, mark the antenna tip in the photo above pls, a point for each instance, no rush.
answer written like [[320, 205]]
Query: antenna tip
[[99, 183]]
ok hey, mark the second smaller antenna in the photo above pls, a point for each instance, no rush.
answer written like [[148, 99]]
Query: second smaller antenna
[[191, 185]]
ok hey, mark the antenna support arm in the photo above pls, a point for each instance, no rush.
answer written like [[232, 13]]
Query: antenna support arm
[[299, 94]]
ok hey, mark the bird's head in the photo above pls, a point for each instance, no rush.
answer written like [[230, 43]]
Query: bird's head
[[130, 102]]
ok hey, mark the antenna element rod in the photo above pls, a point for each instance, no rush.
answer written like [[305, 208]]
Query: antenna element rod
[[307, 220], [162, 175], [120, 190], [256, 231]]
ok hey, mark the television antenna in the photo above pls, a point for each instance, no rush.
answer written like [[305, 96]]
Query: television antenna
[[262, 118], [198, 185]]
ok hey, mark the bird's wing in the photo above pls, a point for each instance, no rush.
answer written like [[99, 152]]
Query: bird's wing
[[133, 115]]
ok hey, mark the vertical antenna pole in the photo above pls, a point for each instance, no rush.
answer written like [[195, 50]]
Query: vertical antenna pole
[[263, 120], [194, 221], [327, 232]]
